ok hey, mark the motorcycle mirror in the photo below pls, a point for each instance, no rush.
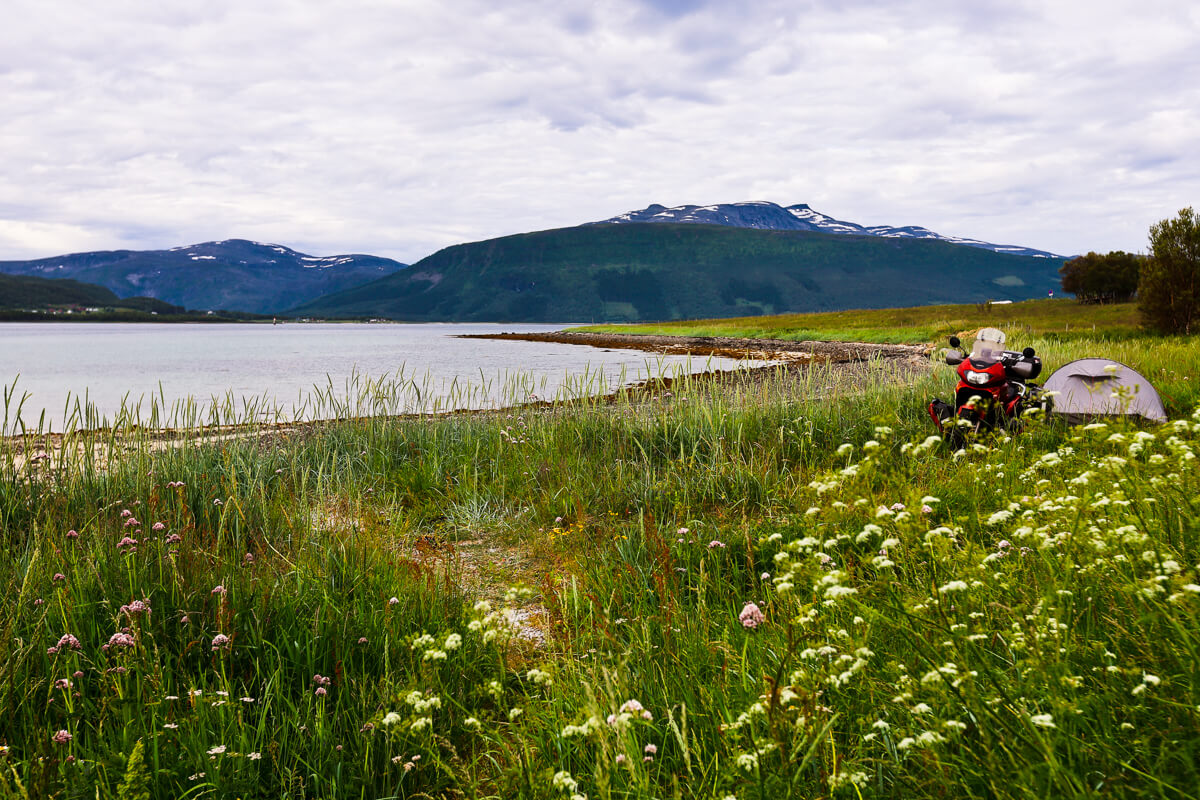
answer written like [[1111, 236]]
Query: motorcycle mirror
[[954, 342], [1028, 352]]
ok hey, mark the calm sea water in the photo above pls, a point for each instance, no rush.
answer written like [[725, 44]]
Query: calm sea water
[[296, 370]]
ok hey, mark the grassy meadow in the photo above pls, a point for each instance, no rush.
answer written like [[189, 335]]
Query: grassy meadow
[[781, 587], [1059, 320]]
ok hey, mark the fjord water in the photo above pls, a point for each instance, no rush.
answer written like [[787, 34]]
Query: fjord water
[[267, 370]]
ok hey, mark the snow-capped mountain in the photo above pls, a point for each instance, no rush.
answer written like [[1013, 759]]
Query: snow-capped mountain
[[800, 217], [234, 274]]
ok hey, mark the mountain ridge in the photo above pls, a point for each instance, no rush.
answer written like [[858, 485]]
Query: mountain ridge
[[764, 215], [678, 271], [230, 274]]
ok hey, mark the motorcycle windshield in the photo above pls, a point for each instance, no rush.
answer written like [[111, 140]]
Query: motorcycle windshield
[[989, 344]]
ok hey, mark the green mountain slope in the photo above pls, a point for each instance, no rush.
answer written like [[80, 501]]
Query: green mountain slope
[[669, 271], [19, 291]]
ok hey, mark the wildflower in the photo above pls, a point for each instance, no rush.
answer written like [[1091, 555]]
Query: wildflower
[[158, 526], [393, 601], [174, 538], [650, 749], [220, 642], [751, 616], [473, 723], [953, 586], [391, 718], [362, 640], [254, 756], [127, 541], [1043, 720], [620, 759], [515, 712], [453, 641], [62, 737], [136, 607], [320, 691], [120, 639], [219, 590], [66, 641], [563, 780], [715, 543], [72, 534], [216, 751], [748, 762], [58, 576], [62, 683], [247, 699], [926, 509], [170, 726], [682, 532]]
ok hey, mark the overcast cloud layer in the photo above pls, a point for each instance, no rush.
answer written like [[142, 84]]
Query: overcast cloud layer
[[397, 128]]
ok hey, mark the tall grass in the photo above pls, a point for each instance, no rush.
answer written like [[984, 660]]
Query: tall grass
[[321, 611]]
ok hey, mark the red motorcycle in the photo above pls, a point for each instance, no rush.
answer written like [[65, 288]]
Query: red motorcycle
[[994, 389]]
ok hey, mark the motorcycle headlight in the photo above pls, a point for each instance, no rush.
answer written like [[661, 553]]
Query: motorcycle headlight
[[977, 378]]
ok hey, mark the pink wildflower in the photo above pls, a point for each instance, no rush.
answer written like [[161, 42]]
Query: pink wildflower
[[715, 543], [220, 642], [321, 680], [751, 616], [131, 522], [62, 737], [393, 601], [219, 590], [136, 607], [158, 526], [58, 576], [174, 538], [72, 534], [320, 692], [126, 513], [620, 759], [926, 509], [62, 683], [120, 639]]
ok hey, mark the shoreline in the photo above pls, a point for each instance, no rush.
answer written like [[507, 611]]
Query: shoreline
[[719, 346], [31, 450]]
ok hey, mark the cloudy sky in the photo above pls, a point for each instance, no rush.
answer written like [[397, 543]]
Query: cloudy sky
[[397, 127]]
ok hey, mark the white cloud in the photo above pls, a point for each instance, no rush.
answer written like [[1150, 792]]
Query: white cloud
[[398, 128]]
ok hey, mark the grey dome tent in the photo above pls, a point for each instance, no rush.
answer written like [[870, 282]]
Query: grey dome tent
[[1098, 387]]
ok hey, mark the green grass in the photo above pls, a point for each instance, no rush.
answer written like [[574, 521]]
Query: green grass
[[1031, 632], [1054, 319]]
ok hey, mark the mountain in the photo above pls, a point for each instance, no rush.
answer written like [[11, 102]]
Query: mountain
[[674, 271], [20, 294], [234, 274], [800, 217], [20, 291]]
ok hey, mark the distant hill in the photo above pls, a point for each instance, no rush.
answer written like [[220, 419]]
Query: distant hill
[[20, 291], [799, 217], [234, 274], [674, 271]]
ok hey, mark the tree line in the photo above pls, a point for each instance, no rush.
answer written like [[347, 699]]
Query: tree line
[[1166, 282]]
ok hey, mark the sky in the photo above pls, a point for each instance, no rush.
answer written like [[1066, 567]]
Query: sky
[[398, 127]]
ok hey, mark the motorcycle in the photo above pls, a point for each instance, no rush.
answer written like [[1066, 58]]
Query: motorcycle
[[994, 388]]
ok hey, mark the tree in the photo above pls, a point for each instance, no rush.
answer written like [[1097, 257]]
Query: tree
[[1096, 278], [1169, 289]]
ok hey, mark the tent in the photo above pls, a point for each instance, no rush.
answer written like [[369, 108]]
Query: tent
[[1095, 387]]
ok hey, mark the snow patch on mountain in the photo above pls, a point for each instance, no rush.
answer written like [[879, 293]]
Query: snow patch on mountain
[[800, 217]]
